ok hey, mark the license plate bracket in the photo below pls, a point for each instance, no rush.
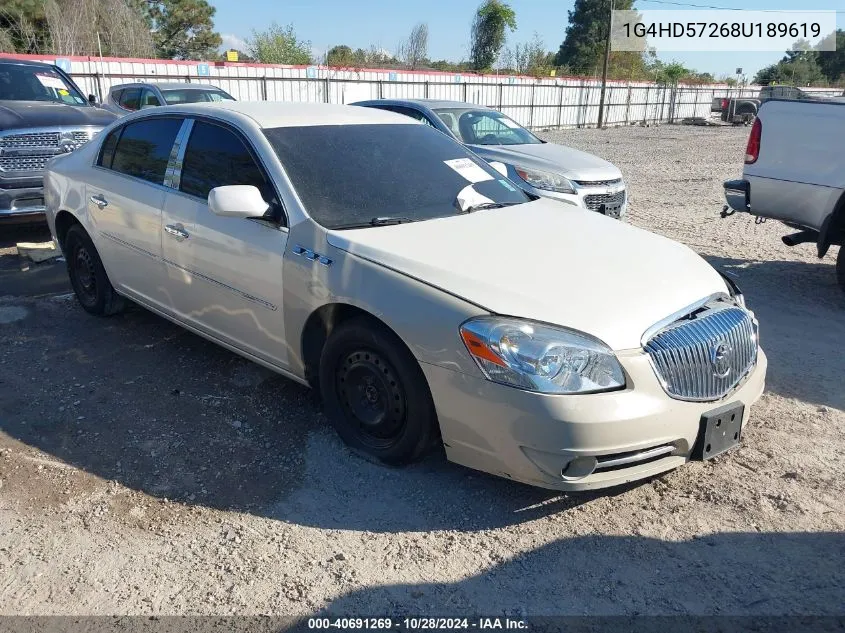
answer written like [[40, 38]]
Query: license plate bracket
[[719, 430]]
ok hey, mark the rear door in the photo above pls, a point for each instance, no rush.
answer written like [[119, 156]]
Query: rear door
[[125, 194], [224, 275]]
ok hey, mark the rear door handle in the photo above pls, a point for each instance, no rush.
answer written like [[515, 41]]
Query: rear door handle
[[177, 230], [100, 201]]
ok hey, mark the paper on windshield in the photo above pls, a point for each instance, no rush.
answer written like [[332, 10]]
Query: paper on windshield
[[49, 81], [511, 124], [468, 169]]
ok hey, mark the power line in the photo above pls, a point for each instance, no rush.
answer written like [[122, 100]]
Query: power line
[[708, 6]]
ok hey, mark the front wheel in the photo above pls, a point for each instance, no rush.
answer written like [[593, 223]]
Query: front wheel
[[840, 267], [375, 393], [88, 276]]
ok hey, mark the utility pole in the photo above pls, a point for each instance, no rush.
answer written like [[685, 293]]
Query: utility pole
[[606, 62]]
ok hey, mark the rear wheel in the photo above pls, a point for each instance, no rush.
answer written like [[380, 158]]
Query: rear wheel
[[840, 267], [375, 393], [87, 275]]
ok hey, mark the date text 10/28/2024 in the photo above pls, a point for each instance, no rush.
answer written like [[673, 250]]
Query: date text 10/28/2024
[[419, 624]]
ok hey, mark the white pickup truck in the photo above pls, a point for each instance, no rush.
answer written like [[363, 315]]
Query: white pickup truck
[[795, 172]]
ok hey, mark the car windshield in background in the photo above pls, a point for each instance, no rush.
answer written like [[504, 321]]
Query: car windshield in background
[[485, 127], [19, 82], [350, 175], [192, 95]]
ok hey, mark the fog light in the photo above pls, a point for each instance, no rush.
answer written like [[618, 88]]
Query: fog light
[[579, 468]]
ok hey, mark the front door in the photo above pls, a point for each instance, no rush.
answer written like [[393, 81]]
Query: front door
[[124, 195], [224, 275]]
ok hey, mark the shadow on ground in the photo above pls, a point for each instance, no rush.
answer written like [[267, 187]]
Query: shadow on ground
[[802, 324], [141, 401], [724, 574], [22, 279]]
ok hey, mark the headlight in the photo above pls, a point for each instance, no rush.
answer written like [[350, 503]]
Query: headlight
[[545, 180], [540, 357]]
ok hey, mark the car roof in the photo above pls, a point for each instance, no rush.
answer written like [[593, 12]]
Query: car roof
[[271, 114], [25, 62], [165, 85], [433, 104]]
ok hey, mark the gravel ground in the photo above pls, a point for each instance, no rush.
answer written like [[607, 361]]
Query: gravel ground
[[146, 471]]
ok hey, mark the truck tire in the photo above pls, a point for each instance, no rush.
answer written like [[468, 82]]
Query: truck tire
[[840, 267]]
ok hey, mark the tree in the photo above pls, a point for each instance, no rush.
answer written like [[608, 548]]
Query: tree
[[583, 48], [832, 63], [280, 45], [799, 67], [341, 56], [183, 29], [491, 20], [530, 58], [414, 51]]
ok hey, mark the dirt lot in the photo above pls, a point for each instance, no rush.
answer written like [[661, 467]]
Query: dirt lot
[[146, 471]]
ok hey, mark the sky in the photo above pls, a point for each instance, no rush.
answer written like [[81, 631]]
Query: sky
[[384, 23]]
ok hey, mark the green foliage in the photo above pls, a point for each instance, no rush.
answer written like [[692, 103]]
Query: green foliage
[[489, 26], [798, 67], [280, 45], [583, 48], [183, 29], [832, 63]]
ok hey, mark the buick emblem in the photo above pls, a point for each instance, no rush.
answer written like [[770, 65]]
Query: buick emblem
[[720, 357]]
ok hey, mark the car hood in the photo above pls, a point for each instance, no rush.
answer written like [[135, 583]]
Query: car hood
[[25, 114], [547, 261], [572, 163]]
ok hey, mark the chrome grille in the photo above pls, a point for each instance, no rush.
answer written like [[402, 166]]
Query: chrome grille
[[33, 139], [597, 183], [23, 163], [29, 151], [595, 201], [704, 356]]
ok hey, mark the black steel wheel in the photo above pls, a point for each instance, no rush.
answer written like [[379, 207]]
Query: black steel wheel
[[87, 276], [840, 267], [375, 393]]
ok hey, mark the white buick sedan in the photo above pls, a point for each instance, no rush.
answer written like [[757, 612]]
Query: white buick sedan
[[427, 297]]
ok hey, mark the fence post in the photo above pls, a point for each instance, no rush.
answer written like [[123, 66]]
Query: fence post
[[531, 109], [426, 88], [560, 108], [264, 88], [99, 87], [645, 106], [187, 79], [466, 89], [501, 96], [628, 105], [326, 89], [380, 89]]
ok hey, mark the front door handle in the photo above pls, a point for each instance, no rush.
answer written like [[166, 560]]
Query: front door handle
[[100, 201], [177, 230]]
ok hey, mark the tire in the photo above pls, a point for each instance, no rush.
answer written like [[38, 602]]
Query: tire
[[88, 277], [375, 393], [840, 267]]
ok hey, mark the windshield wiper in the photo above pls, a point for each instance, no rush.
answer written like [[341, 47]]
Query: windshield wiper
[[489, 205], [380, 221]]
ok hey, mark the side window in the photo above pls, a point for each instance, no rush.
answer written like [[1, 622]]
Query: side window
[[115, 96], [215, 157], [144, 148], [107, 150], [149, 99], [414, 114], [130, 99]]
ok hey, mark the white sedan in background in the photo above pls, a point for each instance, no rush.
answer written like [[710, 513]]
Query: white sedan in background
[[427, 296]]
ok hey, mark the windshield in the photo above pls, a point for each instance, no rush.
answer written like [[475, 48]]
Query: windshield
[[347, 175], [194, 95], [19, 82], [485, 127]]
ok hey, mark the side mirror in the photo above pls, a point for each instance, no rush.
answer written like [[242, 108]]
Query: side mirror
[[237, 201], [499, 167], [92, 99]]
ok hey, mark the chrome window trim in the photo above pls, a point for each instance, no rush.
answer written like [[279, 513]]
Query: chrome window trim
[[173, 173]]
